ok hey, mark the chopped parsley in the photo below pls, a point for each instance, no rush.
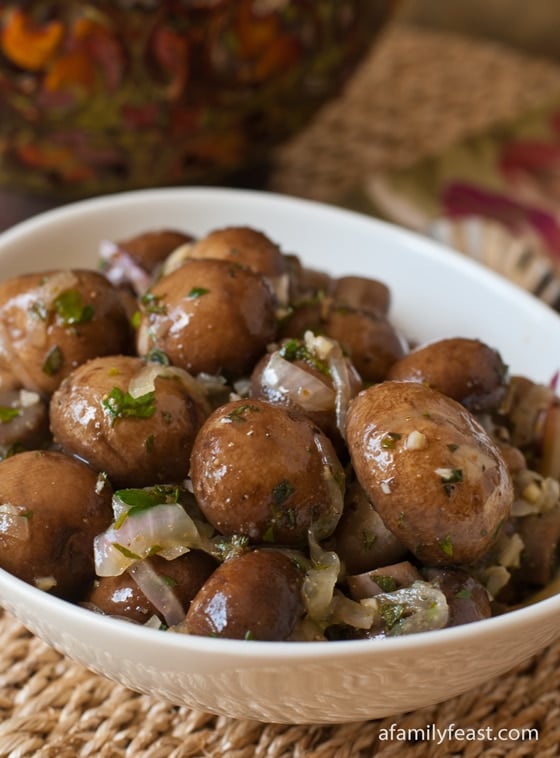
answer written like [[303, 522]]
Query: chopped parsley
[[449, 477], [296, 350], [463, 594], [390, 440], [126, 552], [197, 292], [152, 303], [119, 404], [282, 492], [71, 309], [386, 583], [158, 356], [446, 546], [140, 500], [53, 361], [39, 310], [8, 414], [391, 614], [136, 319], [239, 413]]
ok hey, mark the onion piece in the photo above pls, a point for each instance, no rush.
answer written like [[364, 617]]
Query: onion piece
[[144, 381], [424, 608], [165, 530], [319, 582], [157, 591], [14, 521], [325, 348], [297, 384], [121, 268]]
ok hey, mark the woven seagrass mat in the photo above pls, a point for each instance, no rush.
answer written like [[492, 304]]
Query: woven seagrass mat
[[418, 93]]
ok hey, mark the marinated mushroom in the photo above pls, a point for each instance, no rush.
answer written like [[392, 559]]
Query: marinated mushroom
[[51, 508], [52, 322], [254, 596], [135, 421], [467, 599], [433, 474], [311, 376], [24, 421], [361, 539], [467, 370], [132, 263], [155, 587], [209, 316], [263, 471], [369, 339]]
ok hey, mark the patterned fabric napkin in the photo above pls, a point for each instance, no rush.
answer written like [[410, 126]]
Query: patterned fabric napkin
[[495, 197]]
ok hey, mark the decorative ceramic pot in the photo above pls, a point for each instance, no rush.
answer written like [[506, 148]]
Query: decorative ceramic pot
[[102, 96]]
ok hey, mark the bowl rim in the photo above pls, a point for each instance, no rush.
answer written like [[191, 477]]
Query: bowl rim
[[278, 652]]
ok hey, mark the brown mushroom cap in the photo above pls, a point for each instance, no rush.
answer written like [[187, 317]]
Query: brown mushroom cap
[[254, 596], [431, 471], [467, 370], [209, 316], [263, 471], [52, 322], [65, 505], [136, 443]]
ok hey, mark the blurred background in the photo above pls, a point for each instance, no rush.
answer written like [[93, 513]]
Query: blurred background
[[532, 28]]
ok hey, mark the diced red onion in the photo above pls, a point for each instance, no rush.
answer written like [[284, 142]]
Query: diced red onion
[[157, 591], [298, 384]]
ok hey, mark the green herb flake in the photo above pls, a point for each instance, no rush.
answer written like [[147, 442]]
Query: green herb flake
[[53, 361], [152, 303], [249, 635], [140, 500], [296, 350], [197, 292], [446, 546], [390, 440], [449, 477], [238, 414], [126, 552], [386, 583], [8, 414], [463, 594], [282, 492], [119, 404], [368, 540], [71, 309], [391, 614], [268, 536], [158, 356], [136, 319], [169, 581], [149, 443]]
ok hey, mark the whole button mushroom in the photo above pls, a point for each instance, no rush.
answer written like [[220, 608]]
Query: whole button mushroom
[[368, 338], [254, 596], [242, 245], [209, 316], [52, 322], [52, 506], [170, 591], [432, 473], [467, 370], [267, 473], [134, 421]]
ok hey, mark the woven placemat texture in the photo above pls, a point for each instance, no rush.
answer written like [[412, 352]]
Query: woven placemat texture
[[418, 93]]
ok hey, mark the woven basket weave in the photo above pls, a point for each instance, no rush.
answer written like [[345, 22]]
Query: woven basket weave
[[417, 94]]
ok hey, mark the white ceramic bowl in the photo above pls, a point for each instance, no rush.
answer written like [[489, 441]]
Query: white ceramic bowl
[[436, 293]]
